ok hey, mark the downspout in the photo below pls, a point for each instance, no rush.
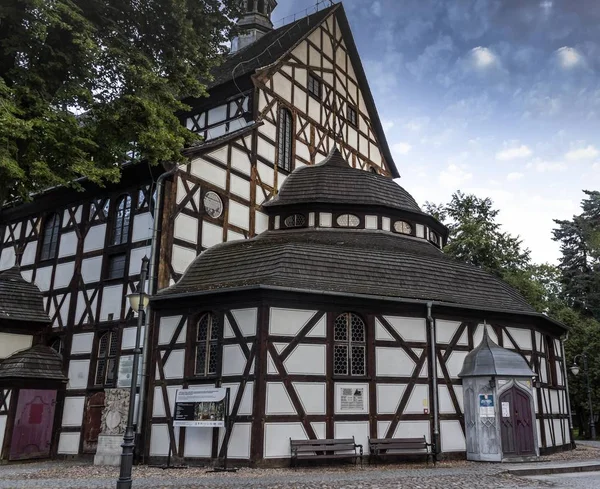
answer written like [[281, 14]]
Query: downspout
[[566, 380], [151, 286], [434, 382]]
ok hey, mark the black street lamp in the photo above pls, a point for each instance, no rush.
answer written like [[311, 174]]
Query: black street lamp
[[575, 371], [138, 301]]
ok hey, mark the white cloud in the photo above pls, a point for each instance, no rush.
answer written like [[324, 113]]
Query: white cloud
[[387, 125], [542, 166], [376, 9], [515, 175], [454, 176], [586, 153], [569, 58], [513, 153], [401, 148], [483, 57]]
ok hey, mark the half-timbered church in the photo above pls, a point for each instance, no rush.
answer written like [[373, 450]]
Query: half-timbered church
[[285, 264]]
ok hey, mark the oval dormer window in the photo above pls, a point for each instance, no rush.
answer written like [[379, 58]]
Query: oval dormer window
[[348, 221], [402, 227], [295, 221], [434, 238]]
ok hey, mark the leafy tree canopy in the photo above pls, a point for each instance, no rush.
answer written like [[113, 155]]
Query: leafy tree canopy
[[86, 85]]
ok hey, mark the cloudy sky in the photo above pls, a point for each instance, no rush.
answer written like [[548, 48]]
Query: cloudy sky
[[500, 98]]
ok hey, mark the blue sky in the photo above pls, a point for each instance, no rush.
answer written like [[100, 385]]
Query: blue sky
[[500, 98]]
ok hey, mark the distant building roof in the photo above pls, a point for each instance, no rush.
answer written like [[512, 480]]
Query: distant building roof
[[489, 359], [36, 363], [20, 300]]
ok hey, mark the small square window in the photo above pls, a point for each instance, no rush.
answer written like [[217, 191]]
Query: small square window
[[314, 86], [352, 117], [116, 266]]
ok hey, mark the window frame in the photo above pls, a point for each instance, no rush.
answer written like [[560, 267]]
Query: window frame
[[109, 258], [111, 353], [551, 370], [285, 139], [348, 226], [212, 343], [311, 80], [121, 226], [349, 344], [295, 226], [351, 109], [52, 222]]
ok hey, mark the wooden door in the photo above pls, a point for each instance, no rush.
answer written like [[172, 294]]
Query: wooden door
[[516, 426], [34, 419], [92, 421]]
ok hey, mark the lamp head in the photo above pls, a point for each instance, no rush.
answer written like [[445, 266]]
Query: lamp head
[[574, 369]]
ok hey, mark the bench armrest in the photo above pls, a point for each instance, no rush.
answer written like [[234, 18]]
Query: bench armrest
[[357, 445]]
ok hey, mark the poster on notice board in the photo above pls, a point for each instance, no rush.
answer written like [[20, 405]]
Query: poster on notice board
[[200, 407]]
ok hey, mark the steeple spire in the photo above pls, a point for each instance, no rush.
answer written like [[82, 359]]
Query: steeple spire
[[254, 22]]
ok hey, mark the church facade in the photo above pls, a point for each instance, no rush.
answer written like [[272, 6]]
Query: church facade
[[282, 101]]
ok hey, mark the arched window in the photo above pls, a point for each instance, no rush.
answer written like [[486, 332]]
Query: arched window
[[122, 220], [349, 349], [348, 221], [106, 359], [56, 344], [433, 237], [295, 221], [207, 339], [284, 157], [50, 237], [402, 227]]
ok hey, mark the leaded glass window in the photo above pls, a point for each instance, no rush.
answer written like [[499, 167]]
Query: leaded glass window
[[295, 221], [348, 221], [50, 238], [122, 220], [207, 346], [284, 156], [314, 86], [402, 227], [106, 359], [349, 349]]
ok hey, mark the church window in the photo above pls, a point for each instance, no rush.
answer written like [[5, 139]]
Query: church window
[[106, 359], [50, 238], [551, 362], [314, 86], [116, 265], [352, 116], [57, 345], [207, 346], [348, 221], [213, 205], [284, 157], [349, 348], [402, 227], [433, 237], [122, 220], [295, 221]]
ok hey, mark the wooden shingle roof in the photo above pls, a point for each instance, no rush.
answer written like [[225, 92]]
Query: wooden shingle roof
[[39, 362], [364, 262], [334, 181], [20, 300]]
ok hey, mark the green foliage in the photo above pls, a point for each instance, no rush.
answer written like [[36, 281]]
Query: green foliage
[[86, 85]]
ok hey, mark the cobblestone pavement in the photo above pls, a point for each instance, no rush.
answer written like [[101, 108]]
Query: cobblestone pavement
[[447, 475]]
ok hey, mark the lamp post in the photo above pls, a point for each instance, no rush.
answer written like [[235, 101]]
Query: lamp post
[[575, 371], [138, 301]]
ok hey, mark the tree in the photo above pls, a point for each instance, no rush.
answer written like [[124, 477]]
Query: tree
[[86, 85], [475, 236], [580, 262]]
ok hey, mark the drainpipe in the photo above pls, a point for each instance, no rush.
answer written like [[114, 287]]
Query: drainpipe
[[151, 286], [434, 382], [566, 380]]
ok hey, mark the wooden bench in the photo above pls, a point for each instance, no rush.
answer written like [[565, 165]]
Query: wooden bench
[[342, 448], [379, 447]]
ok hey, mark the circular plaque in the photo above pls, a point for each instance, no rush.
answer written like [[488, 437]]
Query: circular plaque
[[213, 204]]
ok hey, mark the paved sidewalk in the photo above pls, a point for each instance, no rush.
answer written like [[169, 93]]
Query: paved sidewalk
[[447, 475]]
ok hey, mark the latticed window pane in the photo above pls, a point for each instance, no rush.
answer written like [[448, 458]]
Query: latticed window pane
[[50, 239], [106, 363], [402, 227], [295, 221], [358, 360], [116, 266], [284, 157], [314, 86], [122, 220], [340, 359], [348, 220], [340, 328], [357, 329], [100, 371], [207, 346]]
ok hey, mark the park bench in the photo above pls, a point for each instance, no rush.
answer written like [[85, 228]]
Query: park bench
[[379, 447], [333, 448]]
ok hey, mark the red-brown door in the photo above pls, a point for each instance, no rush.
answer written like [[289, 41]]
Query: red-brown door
[[32, 430], [516, 426], [92, 421]]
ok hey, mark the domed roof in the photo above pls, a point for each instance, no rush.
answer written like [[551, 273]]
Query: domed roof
[[489, 359], [349, 261], [20, 300], [39, 362], [334, 181]]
